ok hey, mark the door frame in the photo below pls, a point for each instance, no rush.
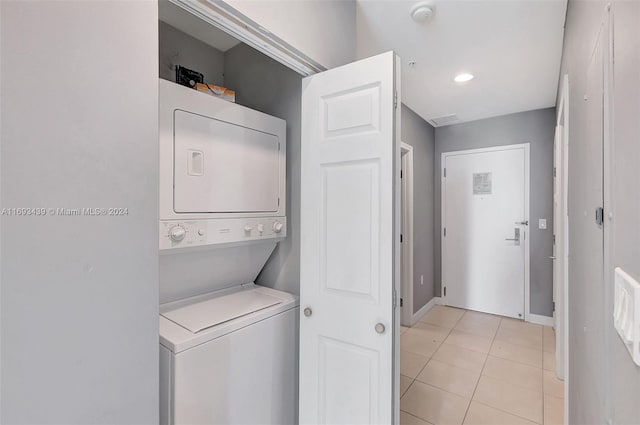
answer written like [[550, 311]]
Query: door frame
[[406, 292], [563, 307], [527, 178], [562, 240]]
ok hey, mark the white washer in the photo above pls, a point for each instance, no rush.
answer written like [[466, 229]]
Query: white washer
[[229, 357]]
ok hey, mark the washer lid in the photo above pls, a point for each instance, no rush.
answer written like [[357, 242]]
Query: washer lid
[[205, 314]]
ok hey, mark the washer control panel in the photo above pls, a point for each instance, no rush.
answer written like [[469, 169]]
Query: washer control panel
[[194, 233]]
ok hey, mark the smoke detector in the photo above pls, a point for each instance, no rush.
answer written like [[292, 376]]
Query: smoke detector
[[422, 11]]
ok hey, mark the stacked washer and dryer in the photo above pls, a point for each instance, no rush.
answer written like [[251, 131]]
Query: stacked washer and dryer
[[227, 346]]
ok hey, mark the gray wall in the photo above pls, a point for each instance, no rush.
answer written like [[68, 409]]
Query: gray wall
[[420, 134], [79, 294], [270, 87], [178, 48], [534, 127], [604, 382]]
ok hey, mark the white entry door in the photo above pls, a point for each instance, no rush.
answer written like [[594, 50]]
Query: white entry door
[[485, 243], [349, 251]]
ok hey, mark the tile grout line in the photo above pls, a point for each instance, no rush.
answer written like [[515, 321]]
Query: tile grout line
[[498, 409], [417, 417], [427, 362], [494, 339], [480, 376], [429, 358], [508, 413]]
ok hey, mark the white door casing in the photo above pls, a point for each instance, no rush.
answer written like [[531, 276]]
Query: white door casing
[[559, 255], [349, 255], [563, 119], [485, 201], [406, 178]]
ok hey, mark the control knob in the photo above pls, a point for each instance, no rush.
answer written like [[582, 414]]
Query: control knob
[[277, 226], [177, 233]]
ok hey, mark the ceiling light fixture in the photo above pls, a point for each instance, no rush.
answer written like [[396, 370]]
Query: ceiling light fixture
[[463, 78], [422, 11]]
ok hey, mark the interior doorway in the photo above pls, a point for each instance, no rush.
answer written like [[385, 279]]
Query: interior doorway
[[406, 238], [485, 246]]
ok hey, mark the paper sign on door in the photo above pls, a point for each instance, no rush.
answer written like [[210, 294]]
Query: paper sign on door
[[482, 183]]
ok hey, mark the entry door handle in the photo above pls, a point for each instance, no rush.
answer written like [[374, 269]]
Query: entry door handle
[[516, 236]]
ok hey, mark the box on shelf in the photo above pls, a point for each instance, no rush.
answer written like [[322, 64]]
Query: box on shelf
[[217, 91]]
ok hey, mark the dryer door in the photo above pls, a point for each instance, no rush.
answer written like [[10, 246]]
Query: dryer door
[[221, 167]]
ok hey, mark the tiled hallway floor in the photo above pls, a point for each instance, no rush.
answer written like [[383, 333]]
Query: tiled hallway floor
[[463, 367]]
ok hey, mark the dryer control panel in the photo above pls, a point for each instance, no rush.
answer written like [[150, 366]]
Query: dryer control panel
[[175, 234]]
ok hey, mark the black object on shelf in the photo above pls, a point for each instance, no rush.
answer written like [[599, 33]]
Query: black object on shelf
[[188, 77]]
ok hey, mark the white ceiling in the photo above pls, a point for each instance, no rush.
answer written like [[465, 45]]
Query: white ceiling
[[512, 47]]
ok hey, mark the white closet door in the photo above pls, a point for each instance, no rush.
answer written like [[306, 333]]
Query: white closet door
[[348, 231]]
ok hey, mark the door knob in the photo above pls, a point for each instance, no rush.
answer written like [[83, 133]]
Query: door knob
[[552, 257], [307, 312], [380, 328]]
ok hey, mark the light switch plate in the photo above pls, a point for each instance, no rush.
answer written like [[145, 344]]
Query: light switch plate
[[542, 223], [626, 312]]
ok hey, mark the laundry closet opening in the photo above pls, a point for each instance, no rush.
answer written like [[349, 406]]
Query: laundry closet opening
[[229, 220]]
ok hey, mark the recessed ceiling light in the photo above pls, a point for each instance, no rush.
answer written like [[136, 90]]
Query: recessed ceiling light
[[463, 78]]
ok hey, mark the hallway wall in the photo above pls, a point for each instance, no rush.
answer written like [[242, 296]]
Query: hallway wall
[[79, 310], [534, 127], [604, 383], [420, 134]]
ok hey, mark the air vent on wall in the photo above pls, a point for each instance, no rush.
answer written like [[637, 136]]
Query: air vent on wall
[[444, 119]]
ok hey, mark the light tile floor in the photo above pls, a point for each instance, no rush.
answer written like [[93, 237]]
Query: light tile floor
[[464, 367]]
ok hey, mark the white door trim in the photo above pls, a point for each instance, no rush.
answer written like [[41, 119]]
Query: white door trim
[[408, 318], [609, 181], [527, 307], [224, 17], [563, 119], [562, 239]]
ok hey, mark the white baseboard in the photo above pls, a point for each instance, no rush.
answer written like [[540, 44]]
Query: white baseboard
[[425, 309], [540, 320]]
